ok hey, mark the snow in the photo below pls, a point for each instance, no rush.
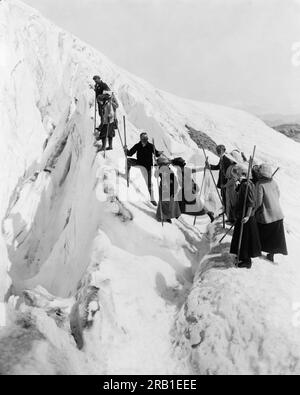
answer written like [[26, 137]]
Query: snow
[[92, 283]]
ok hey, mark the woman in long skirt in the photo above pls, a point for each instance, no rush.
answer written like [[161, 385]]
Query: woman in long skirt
[[250, 246], [269, 214], [168, 208]]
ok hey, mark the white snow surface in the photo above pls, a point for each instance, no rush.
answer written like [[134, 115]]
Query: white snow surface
[[138, 298]]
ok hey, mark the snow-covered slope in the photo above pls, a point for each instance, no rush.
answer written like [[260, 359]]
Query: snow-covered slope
[[92, 283]]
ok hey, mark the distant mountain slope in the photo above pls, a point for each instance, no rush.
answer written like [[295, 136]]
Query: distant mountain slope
[[290, 130]]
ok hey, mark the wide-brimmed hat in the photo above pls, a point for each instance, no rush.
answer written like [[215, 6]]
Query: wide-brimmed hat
[[179, 162], [265, 171]]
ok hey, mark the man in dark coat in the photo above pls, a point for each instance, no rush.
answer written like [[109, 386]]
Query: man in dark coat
[[223, 165], [100, 87], [144, 158]]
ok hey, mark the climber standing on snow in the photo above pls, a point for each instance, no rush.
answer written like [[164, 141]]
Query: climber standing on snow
[[223, 165], [100, 87], [168, 207], [144, 159], [269, 214], [109, 120]]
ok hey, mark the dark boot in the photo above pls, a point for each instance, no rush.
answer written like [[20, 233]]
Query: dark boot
[[110, 146], [245, 264], [270, 257], [103, 145]]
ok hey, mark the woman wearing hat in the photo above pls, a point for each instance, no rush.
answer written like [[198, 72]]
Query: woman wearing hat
[[269, 214], [168, 208], [250, 247]]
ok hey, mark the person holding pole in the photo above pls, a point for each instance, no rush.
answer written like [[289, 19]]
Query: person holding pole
[[144, 151], [99, 88], [223, 165], [245, 241], [168, 206], [269, 214], [109, 122]]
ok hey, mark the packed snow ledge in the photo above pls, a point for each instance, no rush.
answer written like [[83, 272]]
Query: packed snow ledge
[[91, 283]]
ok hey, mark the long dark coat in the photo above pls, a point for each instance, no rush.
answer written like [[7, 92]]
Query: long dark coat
[[251, 245]]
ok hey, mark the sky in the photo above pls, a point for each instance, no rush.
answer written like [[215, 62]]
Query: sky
[[232, 52]]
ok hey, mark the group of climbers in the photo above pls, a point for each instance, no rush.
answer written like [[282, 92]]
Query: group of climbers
[[252, 203], [249, 196]]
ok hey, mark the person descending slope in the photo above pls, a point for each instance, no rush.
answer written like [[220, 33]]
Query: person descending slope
[[222, 166], [168, 208], [109, 120], [250, 246], [189, 193], [269, 214], [99, 88], [144, 159]]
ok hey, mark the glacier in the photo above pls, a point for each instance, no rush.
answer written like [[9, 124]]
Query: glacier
[[91, 283]]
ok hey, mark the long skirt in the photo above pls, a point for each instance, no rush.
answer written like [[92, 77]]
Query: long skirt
[[272, 238], [169, 210], [251, 246], [231, 199]]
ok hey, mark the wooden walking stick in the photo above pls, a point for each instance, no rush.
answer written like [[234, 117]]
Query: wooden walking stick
[[245, 204], [95, 116], [226, 234], [275, 172], [126, 159], [160, 195], [106, 138], [202, 186], [119, 133]]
